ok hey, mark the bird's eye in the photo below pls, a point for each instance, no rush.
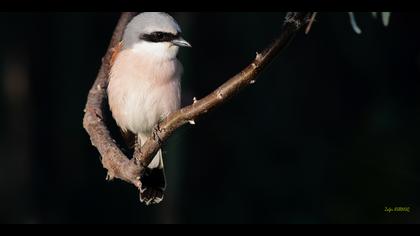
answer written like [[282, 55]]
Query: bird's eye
[[159, 35]]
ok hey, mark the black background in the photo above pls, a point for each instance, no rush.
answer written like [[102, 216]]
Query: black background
[[328, 134]]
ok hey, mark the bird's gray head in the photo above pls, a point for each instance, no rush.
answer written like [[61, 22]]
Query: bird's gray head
[[154, 32]]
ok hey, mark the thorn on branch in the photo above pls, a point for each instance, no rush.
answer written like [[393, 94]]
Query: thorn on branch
[[258, 56], [109, 177], [219, 95]]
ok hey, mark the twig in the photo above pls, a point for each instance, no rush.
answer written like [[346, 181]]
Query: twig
[[311, 21], [117, 164]]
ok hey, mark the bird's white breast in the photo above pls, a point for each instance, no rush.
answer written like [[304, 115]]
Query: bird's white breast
[[143, 89]]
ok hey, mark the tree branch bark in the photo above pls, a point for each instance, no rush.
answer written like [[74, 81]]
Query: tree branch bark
[[117, 164], [113, 158]]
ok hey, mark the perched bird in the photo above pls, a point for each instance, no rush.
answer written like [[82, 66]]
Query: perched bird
[[144, 86]]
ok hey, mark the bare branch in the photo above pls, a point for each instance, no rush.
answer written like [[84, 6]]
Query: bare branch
[[113, 159], [310, 22], [247, 76], [117, 164]]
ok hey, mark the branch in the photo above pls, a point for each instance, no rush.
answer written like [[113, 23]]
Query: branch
[[113, 159], [117, 164], [293, 22]]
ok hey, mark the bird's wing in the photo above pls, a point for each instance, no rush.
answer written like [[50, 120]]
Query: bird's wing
[[129, 137]]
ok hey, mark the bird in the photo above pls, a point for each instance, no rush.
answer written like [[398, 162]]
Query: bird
[[144, 87]]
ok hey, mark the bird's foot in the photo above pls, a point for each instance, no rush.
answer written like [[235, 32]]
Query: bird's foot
[[152, 187], [150, 195], [156, 131]]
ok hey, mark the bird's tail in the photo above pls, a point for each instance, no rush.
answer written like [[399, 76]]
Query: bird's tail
[[153, 181]]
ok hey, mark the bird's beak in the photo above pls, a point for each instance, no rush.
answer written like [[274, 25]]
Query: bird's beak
[[181, 42]]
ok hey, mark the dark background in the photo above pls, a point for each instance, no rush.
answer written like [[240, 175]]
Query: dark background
[[328, 134]]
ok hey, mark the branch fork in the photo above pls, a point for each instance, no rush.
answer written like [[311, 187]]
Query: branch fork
[[130, 170]]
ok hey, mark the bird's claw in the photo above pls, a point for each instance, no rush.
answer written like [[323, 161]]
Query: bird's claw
[[156, 131]]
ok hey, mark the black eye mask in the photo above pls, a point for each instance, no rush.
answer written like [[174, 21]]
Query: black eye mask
[[159, 37]]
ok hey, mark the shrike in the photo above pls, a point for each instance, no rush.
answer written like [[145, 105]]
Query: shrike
[[144, 86]]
